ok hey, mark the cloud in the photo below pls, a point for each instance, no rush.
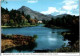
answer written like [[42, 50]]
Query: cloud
[[54, 11], [64, 12], [32, 1], [70, 5], [50, 10]]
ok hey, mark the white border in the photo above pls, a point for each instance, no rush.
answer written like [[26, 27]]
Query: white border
[[0, 27], [40, 54], [37, 54]]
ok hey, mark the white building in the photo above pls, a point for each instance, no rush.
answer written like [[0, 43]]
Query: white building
[[39, 21]]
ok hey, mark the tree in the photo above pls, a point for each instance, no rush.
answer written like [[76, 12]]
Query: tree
[[11, 22], [25, 21], [23, 13], [7, 10], [52, 21], [28, 18], [4, 11], [35, 37]]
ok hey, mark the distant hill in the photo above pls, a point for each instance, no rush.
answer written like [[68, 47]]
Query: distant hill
[[33, 14], [38, 15]]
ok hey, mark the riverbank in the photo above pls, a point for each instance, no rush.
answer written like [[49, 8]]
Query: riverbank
[[19, 26], [56, 27], [5, 26], [70, 48], [73, 44], [72, 36], [43, 39], [56, 33], [13, 41]]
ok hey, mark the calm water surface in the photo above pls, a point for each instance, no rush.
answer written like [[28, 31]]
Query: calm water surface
[[47, 38]]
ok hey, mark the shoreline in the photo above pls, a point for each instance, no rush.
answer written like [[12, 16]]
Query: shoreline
[[13, 41], [5, 26], [17, 26]]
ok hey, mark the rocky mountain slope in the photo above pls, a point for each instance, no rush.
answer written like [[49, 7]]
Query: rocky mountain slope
[[33, 14]]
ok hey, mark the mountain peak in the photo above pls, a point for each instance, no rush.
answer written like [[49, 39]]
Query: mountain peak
[[33, 14], [23, 8]]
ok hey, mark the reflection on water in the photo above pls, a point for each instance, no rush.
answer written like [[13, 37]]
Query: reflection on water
[[47, 38]]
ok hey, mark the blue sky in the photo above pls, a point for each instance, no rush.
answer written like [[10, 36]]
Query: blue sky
[[54, 7]]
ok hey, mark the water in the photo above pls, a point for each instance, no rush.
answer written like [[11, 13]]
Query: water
[[48, 38]]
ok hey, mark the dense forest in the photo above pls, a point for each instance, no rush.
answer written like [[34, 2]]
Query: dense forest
[[67, 21], [16, 18]]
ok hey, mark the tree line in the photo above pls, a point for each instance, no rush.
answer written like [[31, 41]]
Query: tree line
[[16, 18], [65, 21]]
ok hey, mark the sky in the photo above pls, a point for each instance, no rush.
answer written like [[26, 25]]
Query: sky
[[53, 7]]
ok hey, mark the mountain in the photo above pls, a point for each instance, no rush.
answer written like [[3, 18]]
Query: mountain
[[38, 15], [33, 14]]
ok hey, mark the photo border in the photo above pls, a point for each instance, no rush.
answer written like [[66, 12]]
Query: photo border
[[39, 53]]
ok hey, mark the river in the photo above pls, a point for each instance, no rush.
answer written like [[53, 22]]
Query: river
[[48, 38]]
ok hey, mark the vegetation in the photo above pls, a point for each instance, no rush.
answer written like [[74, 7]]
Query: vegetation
[[73, 48], [16, 18], [68, 22], [19, 42], [35, 37]]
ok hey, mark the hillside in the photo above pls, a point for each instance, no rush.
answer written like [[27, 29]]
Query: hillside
[[33, 14], [14, 18]]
